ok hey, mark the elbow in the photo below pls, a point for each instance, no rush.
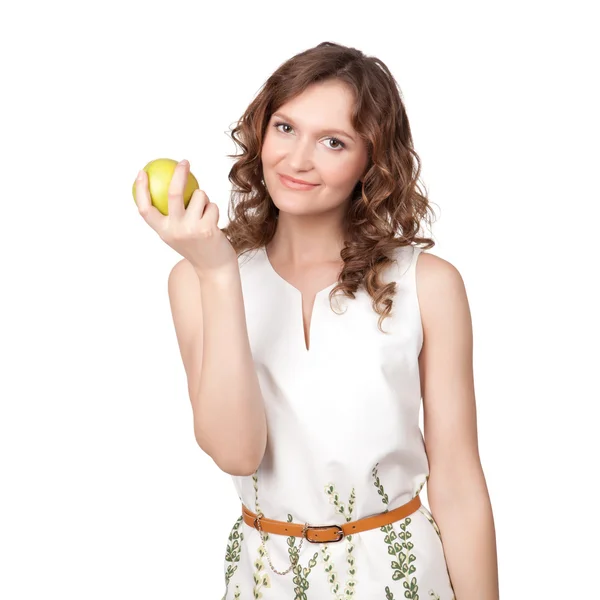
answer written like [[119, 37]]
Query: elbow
[[231, 457], [238, 467], [239, 470]]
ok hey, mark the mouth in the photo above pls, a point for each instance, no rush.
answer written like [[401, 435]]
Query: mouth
[[294, 184]]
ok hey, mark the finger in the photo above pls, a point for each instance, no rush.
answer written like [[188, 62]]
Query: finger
[[211, 214], [149, 212], [176, 189], [196, 205]]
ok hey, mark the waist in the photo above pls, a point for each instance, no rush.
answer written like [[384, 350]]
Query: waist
[[329, 533]]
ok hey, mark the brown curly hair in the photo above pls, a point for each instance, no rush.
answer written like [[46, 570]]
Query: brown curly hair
[[386, 208]]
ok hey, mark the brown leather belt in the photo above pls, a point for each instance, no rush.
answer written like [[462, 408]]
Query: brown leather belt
[[329, 533]]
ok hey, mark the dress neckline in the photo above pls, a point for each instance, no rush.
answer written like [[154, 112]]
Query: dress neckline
[[286, 282], [314, 314]]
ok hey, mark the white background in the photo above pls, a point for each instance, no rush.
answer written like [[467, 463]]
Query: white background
[[105, 493]]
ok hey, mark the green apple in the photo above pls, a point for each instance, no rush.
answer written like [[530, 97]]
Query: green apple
[[160, 172]]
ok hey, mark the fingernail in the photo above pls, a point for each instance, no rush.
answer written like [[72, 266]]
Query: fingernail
[[184, 163], [140, 175]]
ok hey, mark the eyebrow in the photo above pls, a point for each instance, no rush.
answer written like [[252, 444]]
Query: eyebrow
[[336, 131]]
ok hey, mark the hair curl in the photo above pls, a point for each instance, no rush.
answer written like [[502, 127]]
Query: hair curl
[[386, 209]]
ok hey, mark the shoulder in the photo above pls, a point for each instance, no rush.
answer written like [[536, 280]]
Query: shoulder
[[434, 271], [440, 289]]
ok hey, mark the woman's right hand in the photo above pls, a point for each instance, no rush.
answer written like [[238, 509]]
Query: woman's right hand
[[193, 232]]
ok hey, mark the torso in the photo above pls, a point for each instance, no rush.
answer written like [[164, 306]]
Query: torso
[[343, 435]]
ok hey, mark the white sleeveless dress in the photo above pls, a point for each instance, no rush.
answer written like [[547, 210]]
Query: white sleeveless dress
[[344, 443]]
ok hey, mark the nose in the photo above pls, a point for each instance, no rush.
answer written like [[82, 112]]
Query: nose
[[299, 157]]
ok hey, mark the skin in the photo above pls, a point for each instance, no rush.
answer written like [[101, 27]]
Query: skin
[[306, 252], [306, 247], [456, 490]]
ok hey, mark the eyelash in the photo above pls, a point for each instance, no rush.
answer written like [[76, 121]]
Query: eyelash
[[341, 144]]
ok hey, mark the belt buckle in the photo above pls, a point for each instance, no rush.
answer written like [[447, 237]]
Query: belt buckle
[[340, 533]]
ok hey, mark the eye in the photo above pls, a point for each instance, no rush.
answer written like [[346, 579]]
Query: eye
[[341, 144], [279, 124]]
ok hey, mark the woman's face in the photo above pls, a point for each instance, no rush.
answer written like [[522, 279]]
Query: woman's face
[[300, 142]]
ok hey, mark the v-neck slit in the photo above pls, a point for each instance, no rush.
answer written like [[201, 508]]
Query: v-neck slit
[[308, 333]]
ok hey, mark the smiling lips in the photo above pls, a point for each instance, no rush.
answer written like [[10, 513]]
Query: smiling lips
[[296, 184]]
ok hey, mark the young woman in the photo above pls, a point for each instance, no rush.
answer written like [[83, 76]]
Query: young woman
[[310, 328]]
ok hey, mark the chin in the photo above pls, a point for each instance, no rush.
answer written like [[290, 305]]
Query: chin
[[294, 206]]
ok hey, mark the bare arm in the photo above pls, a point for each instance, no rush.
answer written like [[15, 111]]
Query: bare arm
[[227, 403], [456, 489]]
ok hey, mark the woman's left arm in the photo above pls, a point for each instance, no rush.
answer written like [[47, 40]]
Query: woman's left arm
[[456, 488]]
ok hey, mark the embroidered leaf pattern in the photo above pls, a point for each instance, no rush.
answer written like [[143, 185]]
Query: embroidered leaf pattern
[[300, 578], [260, 576], [332, 576], [232, 554], [400, 547], [397, 536]]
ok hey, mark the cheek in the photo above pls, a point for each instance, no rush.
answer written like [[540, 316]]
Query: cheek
[[340, 173], [264, 153], [269, 153]]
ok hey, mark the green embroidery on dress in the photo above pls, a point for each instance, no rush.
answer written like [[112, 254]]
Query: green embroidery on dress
[[300, 574], [261, 579], [329, 565], [430, 518], [421, 486], [255, 480], [402, 565], [232, 554]]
